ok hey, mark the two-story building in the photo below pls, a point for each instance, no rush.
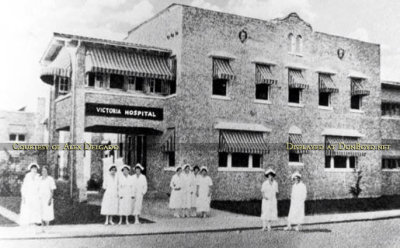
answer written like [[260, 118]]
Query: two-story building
[[209, 88]]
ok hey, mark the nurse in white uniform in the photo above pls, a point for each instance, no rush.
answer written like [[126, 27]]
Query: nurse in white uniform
[[139, 184], [187, 189], [195, 177], [297, 199], [269, 205], [46, 191], [109, 204], [30, 202], [175, 200], [125, 193], [203, 193]]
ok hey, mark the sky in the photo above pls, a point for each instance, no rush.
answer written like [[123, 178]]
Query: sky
[[27, 27]]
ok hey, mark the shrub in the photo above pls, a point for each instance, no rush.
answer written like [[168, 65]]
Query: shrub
[[94, 182]]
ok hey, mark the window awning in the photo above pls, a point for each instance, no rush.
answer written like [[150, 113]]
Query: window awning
[[128, 63], [60, 67], [169, 141], [296, 80], [335, 141], [264, 75], [358, 87], [242, 142], [326, 84], [297, 140], [222, 69]]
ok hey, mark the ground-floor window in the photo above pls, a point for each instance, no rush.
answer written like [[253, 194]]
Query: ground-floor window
[[17, 137], [340, 162], [391, 163], [239, 160]]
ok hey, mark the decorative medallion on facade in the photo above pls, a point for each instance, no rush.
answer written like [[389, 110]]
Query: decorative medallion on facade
[[340, 53], [243, 35]]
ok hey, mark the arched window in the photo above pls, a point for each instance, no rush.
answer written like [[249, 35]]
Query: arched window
[[299, 44], [292, 43]]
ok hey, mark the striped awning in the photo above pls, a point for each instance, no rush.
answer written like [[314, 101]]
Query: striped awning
[[335, 141], [358, 87], [242, 142], [264, 75], [297, 140], [326, 84], [128, 63], [169, 141], [296, 80], [222, 69], [60, 67]]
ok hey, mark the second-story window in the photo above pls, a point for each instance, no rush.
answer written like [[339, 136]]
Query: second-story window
[[326, 88], [358, 92], [222, 75], [264, 80], [297, 84]]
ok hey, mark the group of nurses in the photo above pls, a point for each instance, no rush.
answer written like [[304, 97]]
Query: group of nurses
[[123, 194], [269, 205], [190, 192], [37, 197]]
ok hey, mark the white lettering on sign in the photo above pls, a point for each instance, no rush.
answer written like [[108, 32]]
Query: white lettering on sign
[[140, 113], [108, 110]]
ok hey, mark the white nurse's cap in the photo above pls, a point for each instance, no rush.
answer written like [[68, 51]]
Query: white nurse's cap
[[296, 174], [33, 164], [139, 166]]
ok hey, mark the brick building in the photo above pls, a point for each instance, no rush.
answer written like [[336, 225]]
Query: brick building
[[202, 87]]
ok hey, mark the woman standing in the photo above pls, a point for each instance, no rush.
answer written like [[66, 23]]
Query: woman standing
[[187, 190], [139, 184], [125, 193], [195, 177], [46, 192], [203, 193], [297, 199], [175, 200], [30, 202], [109, 204], [269, 205]]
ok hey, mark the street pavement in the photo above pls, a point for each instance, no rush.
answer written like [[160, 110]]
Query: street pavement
[[376, 233]]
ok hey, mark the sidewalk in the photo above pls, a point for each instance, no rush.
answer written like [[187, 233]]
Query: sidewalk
[[221, 221]]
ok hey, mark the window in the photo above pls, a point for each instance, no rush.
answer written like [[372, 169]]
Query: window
[[116, 81], [13, 137], [220, 87], [131, 83], [139, 84], [239, 160], [391, 163], [340, 162], [171, 158], [356, 102], [390, 109], [17, 137], [294, 95], [294, 157], [90, 79], [172, 87], [100, 81], [21, 137], [262, 91], [155, 85], [324, 99], [63, 86], [299, 44], [292, 43]]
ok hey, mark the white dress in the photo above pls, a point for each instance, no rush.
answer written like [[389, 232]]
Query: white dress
[[125, 192], [30, 208], [269, 208], [109, 204], [297, 199], [203, 200], [175, 200], [187, 189], [194, 185], [139, 185], [46, 186]]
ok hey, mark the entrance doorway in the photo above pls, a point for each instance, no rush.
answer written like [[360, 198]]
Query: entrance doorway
[[136, 150]]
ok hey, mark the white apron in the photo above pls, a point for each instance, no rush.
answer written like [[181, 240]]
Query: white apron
[[175, 200], [269, 208], [30, 208], [45, 187], [194, 185], [139, 185], [187, 189], [297, 199], [109, 204], [203, 200], [125, 192]]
